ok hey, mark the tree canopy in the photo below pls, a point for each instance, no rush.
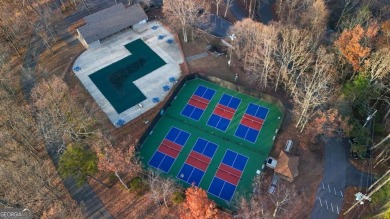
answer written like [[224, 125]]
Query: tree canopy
[[197, 205], [79, 162]]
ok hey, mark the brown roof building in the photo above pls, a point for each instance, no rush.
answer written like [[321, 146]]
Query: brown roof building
[[287, 167]]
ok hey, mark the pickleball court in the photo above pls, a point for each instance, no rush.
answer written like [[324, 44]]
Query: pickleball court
[[214, 138]]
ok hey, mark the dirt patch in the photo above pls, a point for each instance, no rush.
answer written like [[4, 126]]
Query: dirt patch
[[210, 65], [59, 59]]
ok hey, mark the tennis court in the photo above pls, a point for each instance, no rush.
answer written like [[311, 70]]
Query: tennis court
[[212, 137]]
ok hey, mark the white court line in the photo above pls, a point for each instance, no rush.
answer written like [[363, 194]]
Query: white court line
[[335, 193], [326, 202], [320, 201], [331, 206], [337, 209], [323, 186], [329, 188], [341, 194]]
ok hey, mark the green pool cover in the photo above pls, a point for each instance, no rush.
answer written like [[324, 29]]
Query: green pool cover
[[116, 80]]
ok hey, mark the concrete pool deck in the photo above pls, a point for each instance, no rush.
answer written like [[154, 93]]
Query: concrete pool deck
[[113, 50]]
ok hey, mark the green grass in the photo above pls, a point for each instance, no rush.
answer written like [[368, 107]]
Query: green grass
[[256, 153], [116, 80]]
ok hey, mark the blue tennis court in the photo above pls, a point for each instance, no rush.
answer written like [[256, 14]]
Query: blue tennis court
[[251, 122], [205, 147], [228, 175], [198, 102], [221, 119], [257, 111], [197, 162], [170, 147], [246, 133], [235, 160], [205, 92]]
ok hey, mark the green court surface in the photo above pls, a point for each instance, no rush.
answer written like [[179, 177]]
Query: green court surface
[[116, 80], [256, 152]]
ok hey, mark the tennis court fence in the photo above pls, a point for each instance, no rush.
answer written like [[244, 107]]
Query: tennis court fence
[[218, 81]]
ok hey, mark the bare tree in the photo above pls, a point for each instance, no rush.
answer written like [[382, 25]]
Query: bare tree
[[217, 4], [383, 151], [315, 18], [228, 4], [185, 13], [118, 159], [381, 142], [60, 117], [246, 32], [377, 67], [315, 87], [289, 11], [255, 207], [28, 177], [160, 188], [260, 63], [281, 197], [349, 18], [249, 209], [10, 39], [56, 210], [293, 55]]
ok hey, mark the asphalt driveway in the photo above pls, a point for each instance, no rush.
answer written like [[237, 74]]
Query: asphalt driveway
[[338, 174], [238, 11], [216, 25]]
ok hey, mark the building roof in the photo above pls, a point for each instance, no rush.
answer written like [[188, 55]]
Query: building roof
[[287, 166], [110, 20]]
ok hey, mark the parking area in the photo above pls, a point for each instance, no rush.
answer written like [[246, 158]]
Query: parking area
[[329, 198]]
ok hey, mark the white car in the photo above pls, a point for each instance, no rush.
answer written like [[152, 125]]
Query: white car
[[271, 162], [288, 146]]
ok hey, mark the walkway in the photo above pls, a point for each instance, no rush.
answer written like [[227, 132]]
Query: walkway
[[197, 56], [338, 174]]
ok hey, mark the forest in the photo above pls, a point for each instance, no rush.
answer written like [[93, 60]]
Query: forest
[[329, 58]]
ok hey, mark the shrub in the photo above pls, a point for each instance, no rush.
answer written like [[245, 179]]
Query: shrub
[[178, 197], [111, 178], [137, 185]]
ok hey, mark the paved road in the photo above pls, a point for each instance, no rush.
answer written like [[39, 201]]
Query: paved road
[[264, 13], [216, 25], [338, 174], [238, 11]]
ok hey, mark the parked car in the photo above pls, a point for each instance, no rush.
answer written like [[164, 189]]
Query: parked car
[[271, 162], [288, 146]]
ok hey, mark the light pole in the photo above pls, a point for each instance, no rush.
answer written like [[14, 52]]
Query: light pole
[[232, 37], [369, 117]]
